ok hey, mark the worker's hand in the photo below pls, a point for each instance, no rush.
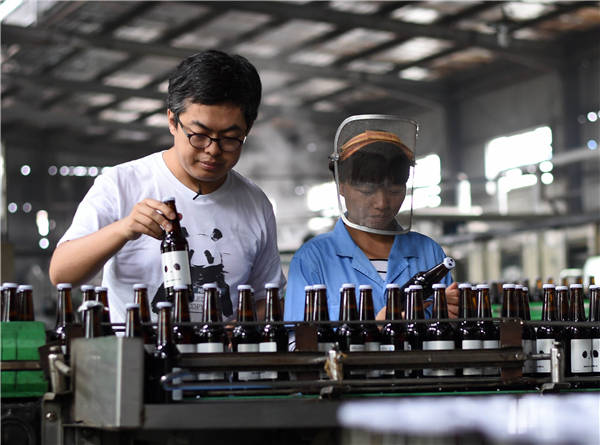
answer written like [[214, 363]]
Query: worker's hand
[[148, 217], [452, 300]]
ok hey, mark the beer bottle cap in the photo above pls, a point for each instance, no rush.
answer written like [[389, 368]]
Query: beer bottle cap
[[308, 287], [438, 286], [163, 304], [132, 306], [179, 287], [86, 287], [244, 287], [415, 287], [549, 286], [449, 262], [209, 286], [576, 286], [365, 286], [392, 286], [24, 287], [61, 286], [140, 286], [348, 286], [482, 286], [101, 289], [271, 286], [508, 286], [168, 198], [562, 288], [465, 286], [9, 285], [319, 287]]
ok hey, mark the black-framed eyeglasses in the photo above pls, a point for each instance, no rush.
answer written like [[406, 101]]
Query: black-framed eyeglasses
[[201, 141]]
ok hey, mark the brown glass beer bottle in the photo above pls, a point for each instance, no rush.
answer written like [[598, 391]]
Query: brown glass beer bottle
[[166, 354], [87, 293], [368, 329], [175, 256], [326, 338], [140, 297], [392, 334], [562, 302], [309, 303], [245, 338], [426, 279], [469, 334], [528, 332], [11, 304], [64, 316], [578, 338], [413, 336], [101, 296], [547, 334], [273, 337], [349, 338], [439, 335], [25, 302], [595, 330], [491, 332], [92, 318], [211, 336]]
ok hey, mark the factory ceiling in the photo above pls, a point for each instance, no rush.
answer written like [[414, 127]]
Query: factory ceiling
[[99, 70]]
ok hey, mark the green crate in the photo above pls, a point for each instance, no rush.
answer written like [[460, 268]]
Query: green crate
[[20, 341]]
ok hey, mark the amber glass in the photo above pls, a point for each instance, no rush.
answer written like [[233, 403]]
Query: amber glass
[[547, 334], [183, 336], [25, 303], [469, 333], [174, 242], [415, 331], [92, 319], [11, 304], [578, 339], [489, 330], [245, 338], [101, 296], [273, 337], [87, 293], [528, 332], [325, 334], [64, 313], [392, 334], [595, 330], [140, 297], [426, 279], [166, 354], [348, 335], [562, 302], [309, 303], [439, 335]]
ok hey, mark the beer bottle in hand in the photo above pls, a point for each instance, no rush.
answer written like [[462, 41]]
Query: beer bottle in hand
[[175, 256], [140, 297], [348, 335], [25, 302], [439, 335], [273, 337], [578, 338], [64, 317], [245, 338], [101, 294], [415, 331], [595, 331], [392, 334], [11, 304], [325, 334], [491, 333], [426, 279], [469, 333], [547, 334], [368, 329], [211, 336]]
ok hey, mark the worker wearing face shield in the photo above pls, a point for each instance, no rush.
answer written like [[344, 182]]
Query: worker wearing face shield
[[372, 242]]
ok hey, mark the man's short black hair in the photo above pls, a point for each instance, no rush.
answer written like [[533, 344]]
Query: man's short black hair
[[213, 77], [375, 163]]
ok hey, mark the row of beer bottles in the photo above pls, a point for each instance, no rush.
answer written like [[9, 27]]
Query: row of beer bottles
[[581, 342], [17, 302]]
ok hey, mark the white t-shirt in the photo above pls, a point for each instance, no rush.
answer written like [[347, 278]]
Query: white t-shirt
[[231, 235]]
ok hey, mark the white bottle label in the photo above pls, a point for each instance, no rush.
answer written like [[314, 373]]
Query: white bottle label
[[176, 268], [491, 344], [472, 344], [438, 345], [581, 361], [270, 346], [210, 347], [248, 375], [387, 348], [529, 366], [595, 354], [543, 346]]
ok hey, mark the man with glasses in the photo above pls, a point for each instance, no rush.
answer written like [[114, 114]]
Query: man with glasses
[[213, 100]]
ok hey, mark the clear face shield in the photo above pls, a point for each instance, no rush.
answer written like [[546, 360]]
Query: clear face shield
[[373, 159]]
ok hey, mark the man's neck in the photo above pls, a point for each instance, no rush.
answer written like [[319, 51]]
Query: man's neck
[[373, 245], [182, 176]]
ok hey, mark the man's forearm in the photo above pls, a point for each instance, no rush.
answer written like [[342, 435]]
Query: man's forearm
[[79, 259]]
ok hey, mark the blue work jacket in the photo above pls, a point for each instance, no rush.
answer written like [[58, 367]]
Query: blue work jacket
[[333, 259]]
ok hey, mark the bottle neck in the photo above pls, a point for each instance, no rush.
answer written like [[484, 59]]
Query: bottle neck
[[11, 311], [272, 307], [26, 306], [133, 326], [549, 309], [141, 297], [394, 305], [435, 274], [245, 310], [182, 307], [595, 305], [465, 307], [321, 311], [64, 312], [165, 335], [366, 310], [484, 308], [348, 310], [414, 307], [102, 297], [440, 307], [576, 310], [309, 305], [510, 303], [92, 322]]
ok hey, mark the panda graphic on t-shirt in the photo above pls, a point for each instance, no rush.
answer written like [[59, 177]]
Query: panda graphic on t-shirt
[[206, 266]]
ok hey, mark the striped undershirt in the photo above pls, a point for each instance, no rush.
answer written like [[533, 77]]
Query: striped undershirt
[[381, 266]]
